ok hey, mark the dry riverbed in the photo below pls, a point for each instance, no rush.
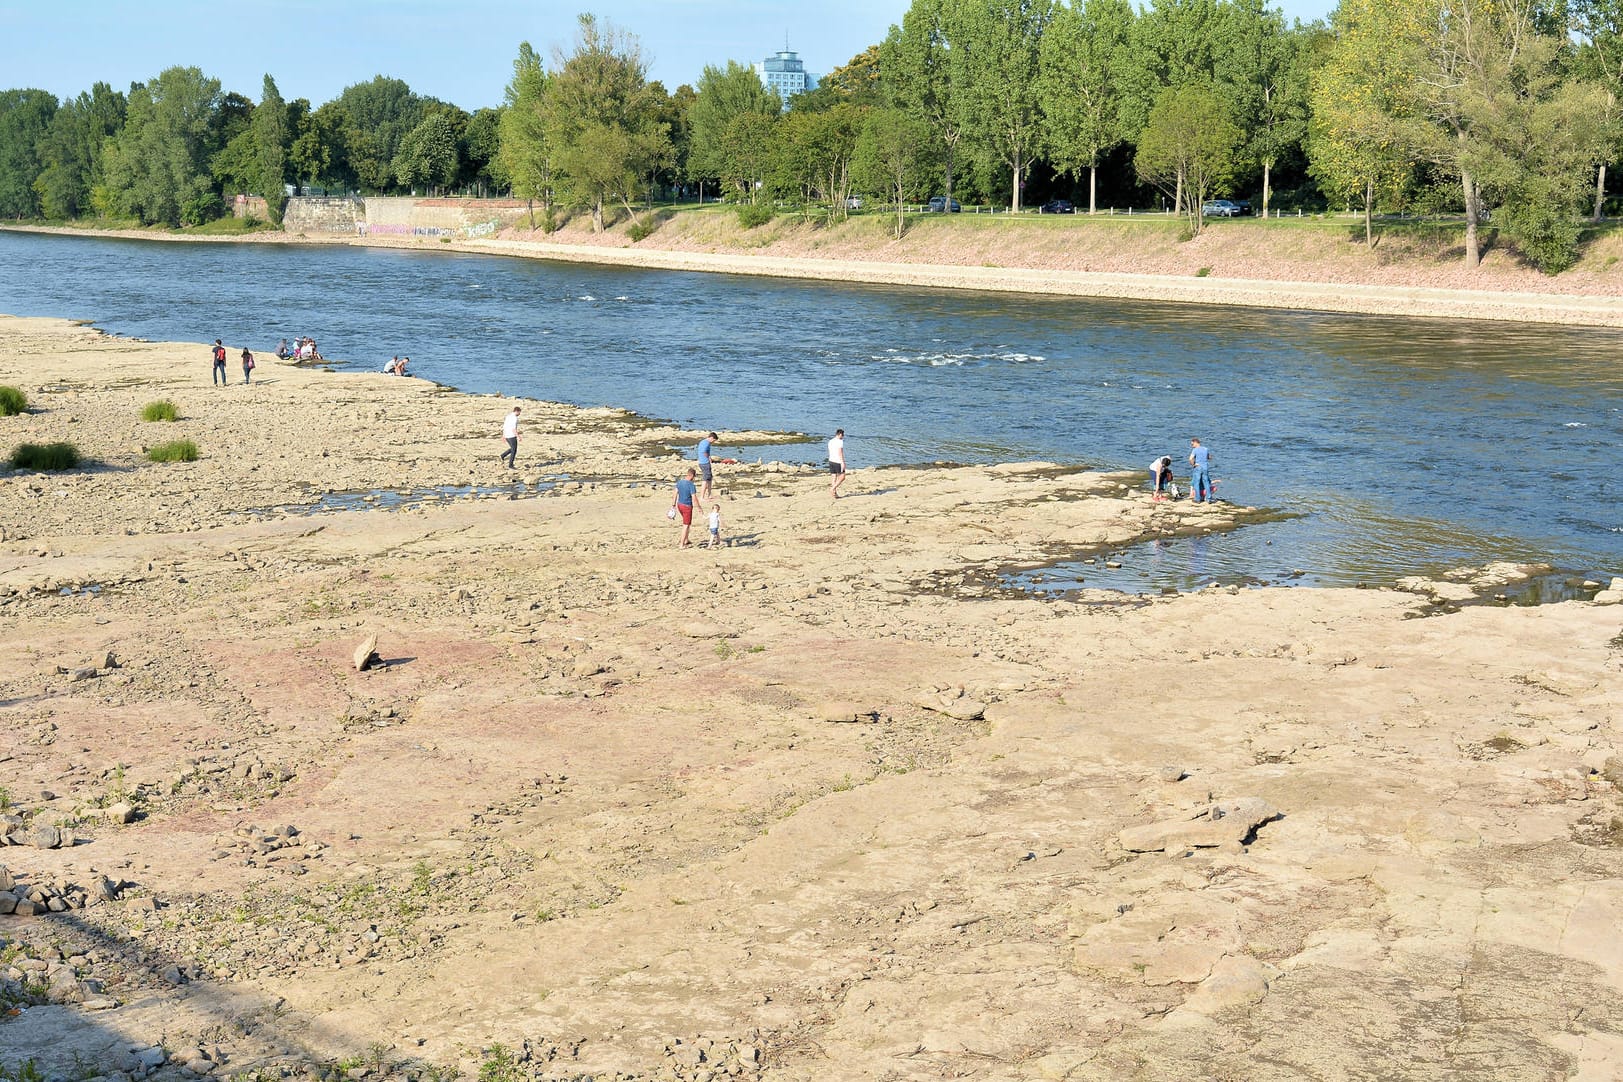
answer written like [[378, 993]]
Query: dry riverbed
[[821, 804]]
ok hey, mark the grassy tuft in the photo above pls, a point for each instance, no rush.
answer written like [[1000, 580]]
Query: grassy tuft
[[751, 215], [173, 451], [161, 410], [12, 401], [44, 456]]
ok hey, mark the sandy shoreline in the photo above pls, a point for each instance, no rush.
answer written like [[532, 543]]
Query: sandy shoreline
[[820, 804], [1515, 305]]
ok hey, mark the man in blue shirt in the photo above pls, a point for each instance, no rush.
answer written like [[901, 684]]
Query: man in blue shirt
[[1200, 484], [683, 503], [704, 461]]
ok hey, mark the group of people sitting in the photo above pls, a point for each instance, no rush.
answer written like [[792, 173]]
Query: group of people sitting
[[303, 349], [396, 365]]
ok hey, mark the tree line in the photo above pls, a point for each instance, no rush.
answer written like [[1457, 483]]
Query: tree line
[[1502, 111]]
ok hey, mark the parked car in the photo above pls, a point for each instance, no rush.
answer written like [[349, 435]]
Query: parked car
[[853, 202], [1244, 205], [940, 204], [1057, 206], [1223, 208]]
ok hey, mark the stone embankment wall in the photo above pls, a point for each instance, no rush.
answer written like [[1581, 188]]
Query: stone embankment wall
[[324, 214]]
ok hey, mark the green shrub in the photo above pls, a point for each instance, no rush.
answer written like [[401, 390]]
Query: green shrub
[[12, 401], [549, 221], [641, 231], [751, 215], [173, 451], [1203, 272], [1546, 231], [161, 410], [44, 456]]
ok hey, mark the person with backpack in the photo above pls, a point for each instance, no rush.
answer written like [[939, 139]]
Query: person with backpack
[[219, 363], [247, 365]]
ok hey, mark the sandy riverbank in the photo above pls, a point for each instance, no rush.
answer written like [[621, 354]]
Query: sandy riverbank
[[1122, 261], [821, 804]]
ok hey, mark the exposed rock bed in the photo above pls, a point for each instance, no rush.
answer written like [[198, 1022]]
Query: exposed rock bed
[[825, 803]]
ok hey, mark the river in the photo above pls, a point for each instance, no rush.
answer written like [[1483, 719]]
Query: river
[[1397, 446]]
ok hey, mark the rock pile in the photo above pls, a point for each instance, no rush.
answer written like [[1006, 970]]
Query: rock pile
[[38, 896], [15, 830], [280, 847]]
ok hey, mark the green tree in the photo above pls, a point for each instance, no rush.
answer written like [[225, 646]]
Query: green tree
[[377, 115], [429, 154], [1484, 79], [319, 154], [270, 132], [994, 50], [601, 116], [719, 146], [1175, 43], [1600, 59], [893, 156], [1080, 64], [915, 75], [157, 167], [855, 82], [480, 152], [526, 154], [1188, 146], [814, 156], [1261, 70], [1357, 148], [25, 118], [71, 152]]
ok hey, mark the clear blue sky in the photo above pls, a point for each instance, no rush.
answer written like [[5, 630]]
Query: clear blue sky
[[460, 51]]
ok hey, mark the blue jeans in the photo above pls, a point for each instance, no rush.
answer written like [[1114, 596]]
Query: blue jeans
[[219, 373], [1200, 485]]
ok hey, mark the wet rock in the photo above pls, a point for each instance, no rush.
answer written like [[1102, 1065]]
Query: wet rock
[[1612, 595]]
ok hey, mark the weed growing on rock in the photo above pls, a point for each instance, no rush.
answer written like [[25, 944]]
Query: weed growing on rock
[[499, 1065], [161, 410], [173, 451], [12, 401], [45, 456]]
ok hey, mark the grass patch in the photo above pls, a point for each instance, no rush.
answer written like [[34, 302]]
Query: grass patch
[[161, 410], [229, 227], [173, 451], [12, 401], [44, 456]]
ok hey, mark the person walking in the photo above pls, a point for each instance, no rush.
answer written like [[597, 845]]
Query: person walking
[[1200, 482], [247, 365], [218, 353], [510, 434], [684, 502], [704, 461], [836, 462]]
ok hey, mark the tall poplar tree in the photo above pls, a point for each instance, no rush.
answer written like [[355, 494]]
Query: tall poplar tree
[[993, 62], [71, 152], [915, 76], [157, 167], [526, 155], [1080, 64], [271, 139]]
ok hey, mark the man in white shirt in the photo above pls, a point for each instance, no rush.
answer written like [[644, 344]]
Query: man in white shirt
[[836, 462], [510, 434]]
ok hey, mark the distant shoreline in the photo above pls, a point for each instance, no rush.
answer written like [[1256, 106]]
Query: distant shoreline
[[1335, 297]]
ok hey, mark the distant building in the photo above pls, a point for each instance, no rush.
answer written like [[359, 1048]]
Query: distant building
[[785, 75]]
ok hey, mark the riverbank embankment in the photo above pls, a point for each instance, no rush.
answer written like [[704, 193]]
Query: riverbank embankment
[[1307, 265], [814, 804]]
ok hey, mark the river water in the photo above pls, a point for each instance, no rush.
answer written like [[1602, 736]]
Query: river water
[[1396, 445]]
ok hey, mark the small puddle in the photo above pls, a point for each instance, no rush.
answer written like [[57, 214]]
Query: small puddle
[[400, 499]]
